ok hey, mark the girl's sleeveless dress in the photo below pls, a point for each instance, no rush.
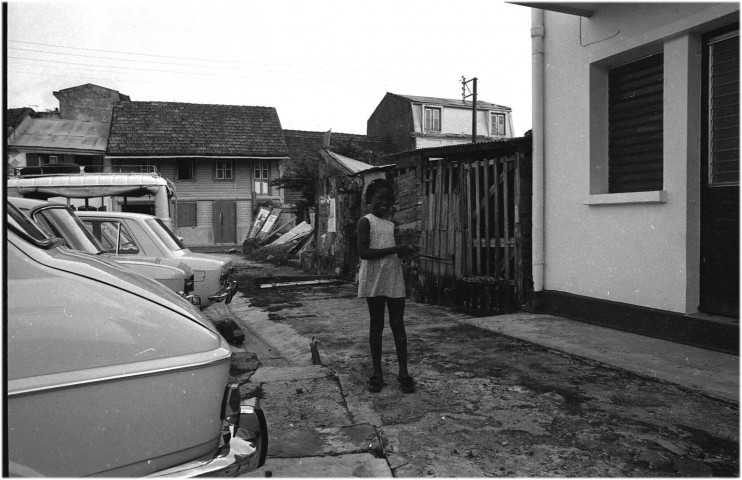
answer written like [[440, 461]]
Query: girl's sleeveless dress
[[381, 277]]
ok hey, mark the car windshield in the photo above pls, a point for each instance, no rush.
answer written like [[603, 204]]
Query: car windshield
[[62, 223], [22, 224], [169, 239]]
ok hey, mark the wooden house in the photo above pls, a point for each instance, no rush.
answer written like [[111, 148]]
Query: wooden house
[[221, 160]]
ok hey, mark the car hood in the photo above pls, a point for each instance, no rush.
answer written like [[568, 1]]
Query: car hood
[[122, 277], [223, 262], [124, 260]]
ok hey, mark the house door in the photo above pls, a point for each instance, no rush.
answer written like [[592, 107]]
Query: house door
[[719, 276], [225, 222]]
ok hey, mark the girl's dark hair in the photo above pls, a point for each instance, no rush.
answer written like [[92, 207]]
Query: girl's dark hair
[[378, 184]]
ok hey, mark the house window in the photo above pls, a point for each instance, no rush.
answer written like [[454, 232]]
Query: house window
[[147, 166], [498, 124], [261, 177], [723, 109], [635, 126], [224, 170], [53, 159], [186, 214], [432, 119], [184, 170]]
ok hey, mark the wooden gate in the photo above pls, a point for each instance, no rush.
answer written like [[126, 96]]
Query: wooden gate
[[474, 249]]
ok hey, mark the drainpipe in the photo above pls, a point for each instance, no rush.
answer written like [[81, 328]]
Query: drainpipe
[[537, 218]]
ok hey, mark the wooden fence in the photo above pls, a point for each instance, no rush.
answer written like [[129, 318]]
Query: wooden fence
[[475, 227]]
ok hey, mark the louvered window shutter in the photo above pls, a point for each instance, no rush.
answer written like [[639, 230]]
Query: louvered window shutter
[[635, 126], [724, 111]]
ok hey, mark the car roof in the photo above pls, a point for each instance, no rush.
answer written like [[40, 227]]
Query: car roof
[[89, 213], [29, 203]]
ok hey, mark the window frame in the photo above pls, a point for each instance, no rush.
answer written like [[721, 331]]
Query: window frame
[[495, 125], [597, 125], [191, 165], [227, 165], [429, 126], [263, 167]]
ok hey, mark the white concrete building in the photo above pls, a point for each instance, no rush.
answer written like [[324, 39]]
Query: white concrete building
[[636, 163]]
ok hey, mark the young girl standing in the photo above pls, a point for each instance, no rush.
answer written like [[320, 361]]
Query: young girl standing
[[381, 283]]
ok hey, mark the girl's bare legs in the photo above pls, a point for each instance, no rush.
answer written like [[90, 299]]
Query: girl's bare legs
[[396, 322], [376, 306]]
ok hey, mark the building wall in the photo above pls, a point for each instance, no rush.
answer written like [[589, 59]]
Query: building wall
[[205, 190], [88, 103], [458, 121], [642, 248], [393, 119]]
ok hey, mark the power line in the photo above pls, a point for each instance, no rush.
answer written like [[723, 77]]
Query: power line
[[113, 58]]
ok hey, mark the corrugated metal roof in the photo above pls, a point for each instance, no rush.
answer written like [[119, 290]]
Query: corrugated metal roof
[[353, 166], [56, 134]]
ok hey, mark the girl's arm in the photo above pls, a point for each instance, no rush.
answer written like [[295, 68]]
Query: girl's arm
[[364, 240]]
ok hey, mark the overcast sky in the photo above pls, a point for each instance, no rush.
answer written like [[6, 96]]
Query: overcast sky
[[323, 64]]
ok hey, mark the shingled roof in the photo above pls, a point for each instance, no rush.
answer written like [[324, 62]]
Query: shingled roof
[[170, 128], [14, 117]]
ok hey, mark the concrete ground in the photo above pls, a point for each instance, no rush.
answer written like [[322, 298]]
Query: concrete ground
[[286, 372]]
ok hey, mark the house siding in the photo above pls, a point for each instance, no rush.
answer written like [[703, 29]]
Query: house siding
[[205, 189]]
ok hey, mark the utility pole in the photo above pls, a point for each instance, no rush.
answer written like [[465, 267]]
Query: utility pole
[[472, 93]]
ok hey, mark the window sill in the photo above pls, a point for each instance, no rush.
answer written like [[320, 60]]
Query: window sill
[[658, 196]]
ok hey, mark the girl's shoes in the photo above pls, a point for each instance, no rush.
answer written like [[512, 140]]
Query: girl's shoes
[[406, 384], [375, 383]]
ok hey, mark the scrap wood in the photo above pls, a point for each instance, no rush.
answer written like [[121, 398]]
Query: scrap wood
[[269, 222], [272, 282], [259, 221], [300, 230], [277, 230]]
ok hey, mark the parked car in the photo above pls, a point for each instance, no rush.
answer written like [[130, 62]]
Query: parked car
[[59, 220], [96, 384], [138, 235]]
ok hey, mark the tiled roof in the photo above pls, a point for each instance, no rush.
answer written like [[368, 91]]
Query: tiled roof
[[448, 102], [14, 116], [302, 144], [169, 128]]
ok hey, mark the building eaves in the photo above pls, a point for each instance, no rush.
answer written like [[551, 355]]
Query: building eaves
[[466, 148]]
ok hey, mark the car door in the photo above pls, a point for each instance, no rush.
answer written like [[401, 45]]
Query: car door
[[113, 235]]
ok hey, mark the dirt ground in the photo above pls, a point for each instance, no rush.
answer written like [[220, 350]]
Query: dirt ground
[[490, 405]]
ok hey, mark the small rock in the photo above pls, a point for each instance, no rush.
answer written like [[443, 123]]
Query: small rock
[[505, 444], [552, 397]]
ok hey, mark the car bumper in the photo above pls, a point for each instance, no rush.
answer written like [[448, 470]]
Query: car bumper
[[244, 448], [226, 293]]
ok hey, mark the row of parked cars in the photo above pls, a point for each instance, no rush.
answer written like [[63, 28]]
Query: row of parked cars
[[112, 369]]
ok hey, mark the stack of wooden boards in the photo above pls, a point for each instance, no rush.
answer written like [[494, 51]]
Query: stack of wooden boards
[[276, 227]]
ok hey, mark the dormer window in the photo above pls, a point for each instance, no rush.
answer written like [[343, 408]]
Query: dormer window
[[432, 119], [498, 124]]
